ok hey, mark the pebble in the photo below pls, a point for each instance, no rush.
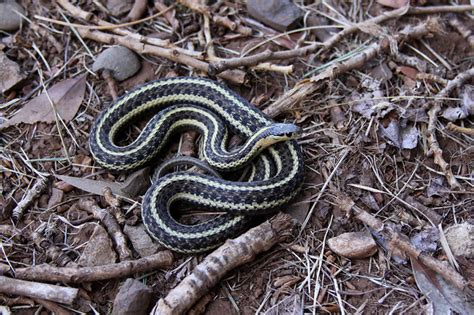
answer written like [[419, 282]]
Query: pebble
[[460, 238], [121, 61], [133, 298], [281, 15], [99, 250], [353, 245], [9, 19]]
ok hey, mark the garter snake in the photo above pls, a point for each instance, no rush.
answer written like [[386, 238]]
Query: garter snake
[[186, 103]]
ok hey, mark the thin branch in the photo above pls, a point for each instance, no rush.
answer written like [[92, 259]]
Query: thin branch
[[46, 272], [232, 254], [435, 108], [308, 87], [400, 241], [109, 221], [234, 76], [38, 188]]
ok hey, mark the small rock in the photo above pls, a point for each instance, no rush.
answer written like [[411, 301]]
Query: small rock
[[9, 19], [9, 72], [56, 198], [353, 245], [140, 239], [119, 7], [99, 250], [121, 61], [282, 15], [460, 238], [133, 298]]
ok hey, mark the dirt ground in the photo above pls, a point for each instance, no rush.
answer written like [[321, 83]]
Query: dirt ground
[[384, 95]]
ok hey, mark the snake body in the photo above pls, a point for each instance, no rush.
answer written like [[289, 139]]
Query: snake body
[[185, 103]]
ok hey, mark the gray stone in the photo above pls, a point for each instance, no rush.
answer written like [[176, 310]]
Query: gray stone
[[99, 250], [10, 74], [460, 238], [133, 298], [9, 19], [121, 61], [140, 239], [282, 15]]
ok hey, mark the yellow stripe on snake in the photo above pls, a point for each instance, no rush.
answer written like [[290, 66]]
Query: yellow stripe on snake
[[191, 103]]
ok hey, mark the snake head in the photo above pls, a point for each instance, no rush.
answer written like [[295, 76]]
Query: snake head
[[283, 132], [275, 133]]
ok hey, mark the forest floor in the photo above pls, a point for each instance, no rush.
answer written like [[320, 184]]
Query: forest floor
[[385, 97]]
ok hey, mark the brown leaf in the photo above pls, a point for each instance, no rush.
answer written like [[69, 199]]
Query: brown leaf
[[67, 96], [92, 186], [134, 185]]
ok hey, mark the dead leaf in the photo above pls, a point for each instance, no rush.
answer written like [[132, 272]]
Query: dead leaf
[[443, 296], [426, 240], [402, 138], [134, 185], [9, 73], [92, 186], [67, 96]]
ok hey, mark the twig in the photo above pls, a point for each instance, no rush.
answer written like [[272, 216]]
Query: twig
[[52, 251], [52, 307], [44, 291], [456, 128], [111, 83], [109, 221], [87, 16], [219, 20], [117, 28], [33, 193], [441, 9], [232, 254], [407, 10], [267, 55], [400, 242], [465, 31], [308, 87], [234, 76], [435, 108], [45, 272]]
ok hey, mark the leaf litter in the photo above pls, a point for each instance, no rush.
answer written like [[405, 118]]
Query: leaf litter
[[378, 111]]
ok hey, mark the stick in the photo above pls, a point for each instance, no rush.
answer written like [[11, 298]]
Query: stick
[[37, 189], [234, 76], [435, 108], [307, 87], [46, 272], [43, 291], [232, 254], [399, 241], [111, 224]]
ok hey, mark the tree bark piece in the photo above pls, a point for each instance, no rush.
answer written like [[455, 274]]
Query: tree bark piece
[[229, 256], [43, 291]]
